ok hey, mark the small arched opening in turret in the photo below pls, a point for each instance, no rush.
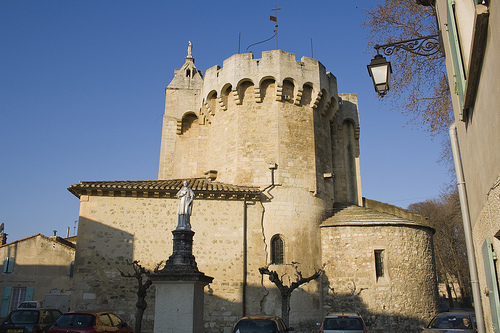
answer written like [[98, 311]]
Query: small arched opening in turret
[[307, 90], [189, 126], [211, 103], [288, 90], [346, 151], [225, 92], [245, 90], [268, 89]]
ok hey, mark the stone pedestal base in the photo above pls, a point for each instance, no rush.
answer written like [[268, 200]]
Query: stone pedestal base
[[180, 289], [179, 306]]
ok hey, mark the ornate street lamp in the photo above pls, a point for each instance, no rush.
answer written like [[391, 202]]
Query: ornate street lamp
[[380, 69]]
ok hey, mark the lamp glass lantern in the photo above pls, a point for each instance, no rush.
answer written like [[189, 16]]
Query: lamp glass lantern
[[380, 71]]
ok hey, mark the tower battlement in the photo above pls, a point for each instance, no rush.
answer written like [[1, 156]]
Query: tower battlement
[[290, 75]]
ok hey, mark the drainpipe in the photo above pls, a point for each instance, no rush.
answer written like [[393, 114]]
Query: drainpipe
[[464, 205], [245, 259]]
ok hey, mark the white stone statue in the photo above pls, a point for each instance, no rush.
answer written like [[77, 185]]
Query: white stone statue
[[190, 50], [186, 196]]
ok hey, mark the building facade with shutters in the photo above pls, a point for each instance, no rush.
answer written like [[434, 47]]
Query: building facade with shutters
[[271, 151], [471, 38], [34, 267]]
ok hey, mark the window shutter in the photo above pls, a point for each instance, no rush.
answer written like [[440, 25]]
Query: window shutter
[[8, 265], [491, 281], [29, 293], [4, 310], [456, 58]]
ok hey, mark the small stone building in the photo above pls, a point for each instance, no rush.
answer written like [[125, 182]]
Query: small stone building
[[271, 151]]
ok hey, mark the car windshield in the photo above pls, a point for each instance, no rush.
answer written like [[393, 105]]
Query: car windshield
[[24, 317], [451, 321], [343, 323], [256, 326], [76, 320]]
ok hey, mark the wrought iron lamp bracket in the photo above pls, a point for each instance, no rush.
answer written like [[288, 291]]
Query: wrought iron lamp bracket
[[424, 46]]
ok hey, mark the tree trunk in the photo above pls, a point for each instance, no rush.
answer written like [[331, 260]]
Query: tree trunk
[[285, 308], [139, 313]]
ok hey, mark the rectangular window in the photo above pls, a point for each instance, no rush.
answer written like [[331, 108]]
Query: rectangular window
[[379, 263], [18, 296], [8, 265]]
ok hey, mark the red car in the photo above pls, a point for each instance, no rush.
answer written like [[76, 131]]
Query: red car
[[90, 322]]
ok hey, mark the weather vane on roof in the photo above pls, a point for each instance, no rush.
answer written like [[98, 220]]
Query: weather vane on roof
[[275, 19], [272, 18]]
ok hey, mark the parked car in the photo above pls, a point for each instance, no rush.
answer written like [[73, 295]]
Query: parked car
[[90, 322], [29, 305], [261, 324], [30, 320], [348, 323], [452, 322]]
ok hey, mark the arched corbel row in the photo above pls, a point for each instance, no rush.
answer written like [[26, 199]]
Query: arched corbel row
[[298, 97], [279, 91], [179, 126], [326, 107], [221, 104], [209, 109], [236, 97], [318, 99], [258, 97]]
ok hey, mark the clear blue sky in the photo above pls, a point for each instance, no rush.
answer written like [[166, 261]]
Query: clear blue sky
[[82, 94]]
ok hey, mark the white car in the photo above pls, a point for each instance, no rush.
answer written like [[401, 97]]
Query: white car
[[29, 305]]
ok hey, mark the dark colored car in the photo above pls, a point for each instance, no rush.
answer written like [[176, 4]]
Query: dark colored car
[[261, 324], [452, 322], [343, 323], [90, 322], [30, 320]]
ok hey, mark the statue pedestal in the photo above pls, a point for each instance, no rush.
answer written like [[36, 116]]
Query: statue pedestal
[[179, 306], [180, 289]]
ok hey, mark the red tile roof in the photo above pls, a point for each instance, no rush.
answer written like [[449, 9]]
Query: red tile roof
[[163, 188]]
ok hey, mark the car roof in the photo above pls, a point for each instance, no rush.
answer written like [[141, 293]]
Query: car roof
[[343, 314], [35, 309], [260, 317], [455, 313], [94, 312]]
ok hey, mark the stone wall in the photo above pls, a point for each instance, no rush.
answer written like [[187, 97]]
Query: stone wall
[[231, 241]]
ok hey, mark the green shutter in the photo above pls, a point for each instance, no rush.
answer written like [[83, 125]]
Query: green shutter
[[491, 281], [29, 293], [456, 58], [11, 261], [4, 311]]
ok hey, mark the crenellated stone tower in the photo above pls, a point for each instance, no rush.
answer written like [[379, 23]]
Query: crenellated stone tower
[[251, 113], [271, 151]]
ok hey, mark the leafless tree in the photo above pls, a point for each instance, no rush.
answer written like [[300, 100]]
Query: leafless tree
[[286, 290], [444, 215], [139, 274], [419, 85]]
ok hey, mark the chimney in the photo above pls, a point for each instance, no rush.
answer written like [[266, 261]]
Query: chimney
[[3, 238]]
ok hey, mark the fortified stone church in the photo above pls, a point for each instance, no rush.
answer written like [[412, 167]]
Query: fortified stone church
[[271, 150]]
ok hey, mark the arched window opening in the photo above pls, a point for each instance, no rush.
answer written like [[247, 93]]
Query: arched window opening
[[277, 250]]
